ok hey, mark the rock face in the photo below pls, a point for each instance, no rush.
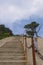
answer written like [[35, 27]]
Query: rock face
[[11, 52]]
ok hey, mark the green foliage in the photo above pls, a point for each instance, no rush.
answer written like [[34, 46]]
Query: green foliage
[[32, 25], [5, 32], [31, 28]]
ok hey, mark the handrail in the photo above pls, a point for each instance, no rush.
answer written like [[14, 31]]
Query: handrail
[[25, 49]]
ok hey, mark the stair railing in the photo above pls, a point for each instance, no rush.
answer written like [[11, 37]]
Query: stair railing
[[25, 48]]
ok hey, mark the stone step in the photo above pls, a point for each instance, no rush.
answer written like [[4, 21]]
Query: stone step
[[19, 51], [12, 45], [9, 44], [12, 57], [12, 63], [11, 54], [11, 49]]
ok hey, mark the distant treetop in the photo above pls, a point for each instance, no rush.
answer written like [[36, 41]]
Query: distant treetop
[[5, 32]]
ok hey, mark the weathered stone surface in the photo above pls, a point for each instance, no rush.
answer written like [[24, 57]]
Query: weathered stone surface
[[11, 52]]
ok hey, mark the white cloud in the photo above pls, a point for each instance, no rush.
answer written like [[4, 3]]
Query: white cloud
[[11, 10]]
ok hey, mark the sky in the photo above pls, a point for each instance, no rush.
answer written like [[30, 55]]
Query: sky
[[14, 14]]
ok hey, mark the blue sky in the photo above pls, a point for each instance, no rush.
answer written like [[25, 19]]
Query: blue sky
[[16, 13]]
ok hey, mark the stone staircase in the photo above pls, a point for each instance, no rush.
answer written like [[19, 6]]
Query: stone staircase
[[12, 53]]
